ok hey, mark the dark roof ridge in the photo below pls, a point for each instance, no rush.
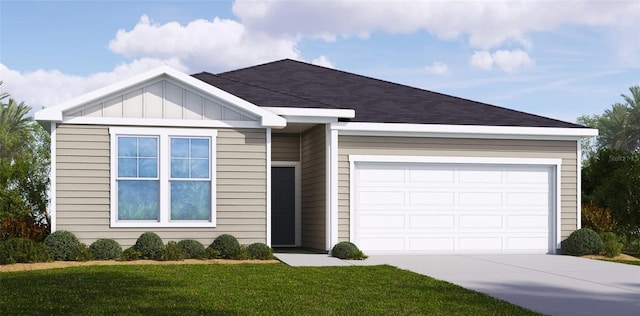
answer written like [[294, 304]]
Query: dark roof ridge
[[264, 88]]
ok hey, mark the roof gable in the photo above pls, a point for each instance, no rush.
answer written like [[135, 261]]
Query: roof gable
[[162, 93], [374, 100]]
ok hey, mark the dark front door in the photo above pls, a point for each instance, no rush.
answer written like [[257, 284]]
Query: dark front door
[[283, 206]]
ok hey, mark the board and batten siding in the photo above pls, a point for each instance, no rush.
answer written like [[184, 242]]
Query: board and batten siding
[[314, 188], [415, 146], [285, 147], [82, 187]]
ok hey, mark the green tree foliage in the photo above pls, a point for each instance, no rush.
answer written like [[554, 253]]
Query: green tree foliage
[[618, 127], [611, 179], [24, 163]]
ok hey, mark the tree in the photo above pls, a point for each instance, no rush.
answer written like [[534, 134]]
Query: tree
[[619, 127], [612, 179], [24, 163]]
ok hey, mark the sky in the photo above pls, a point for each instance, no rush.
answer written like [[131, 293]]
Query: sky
[[555, 58]]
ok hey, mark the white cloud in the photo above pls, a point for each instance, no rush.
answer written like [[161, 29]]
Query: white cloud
[[511, 60], [482, 60], [219, 44], [507, 60], [323, 61], [487, 24], [437, 68], [50, 87]]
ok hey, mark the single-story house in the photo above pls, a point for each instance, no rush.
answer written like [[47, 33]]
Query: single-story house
[[292, 154]]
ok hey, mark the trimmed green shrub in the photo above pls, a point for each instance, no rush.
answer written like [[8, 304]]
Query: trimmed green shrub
[[347, 250], [611, 245], [105, 249], [583, 241], [211, 253], [227, 245], [150, 246], [23, 250], [243, 253], [173, 252], [130, 254], [62, 244], [81, 253], [260, 251], [193, 249]]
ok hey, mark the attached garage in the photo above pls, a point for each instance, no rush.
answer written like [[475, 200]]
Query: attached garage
[[454, 205]]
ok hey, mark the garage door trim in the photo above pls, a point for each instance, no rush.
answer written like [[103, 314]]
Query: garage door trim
[[554, 163]]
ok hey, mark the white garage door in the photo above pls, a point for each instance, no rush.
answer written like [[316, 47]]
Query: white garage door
[[452, 208]]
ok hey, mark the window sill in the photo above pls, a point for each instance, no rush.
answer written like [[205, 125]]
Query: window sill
[[143, 224]]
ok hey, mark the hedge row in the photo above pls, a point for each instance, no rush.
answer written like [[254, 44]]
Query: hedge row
[[63, 245]]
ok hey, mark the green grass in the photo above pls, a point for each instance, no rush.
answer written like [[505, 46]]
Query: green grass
[[632, 262], [244, 289]]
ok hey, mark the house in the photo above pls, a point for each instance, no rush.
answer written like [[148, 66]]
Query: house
[[292, 154]]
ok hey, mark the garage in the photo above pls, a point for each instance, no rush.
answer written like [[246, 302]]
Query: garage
[[418, 207]]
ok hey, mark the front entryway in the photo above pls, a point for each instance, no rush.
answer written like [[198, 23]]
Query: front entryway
[[284, 206]]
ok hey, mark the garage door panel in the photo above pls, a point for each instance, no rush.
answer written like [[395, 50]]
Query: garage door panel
[[431, 198], [431, 221], [433, 244], [527, 221], [452, 208], [431, 176], [480, 221], [378, 198], [382, 221], [475, 176], [480, 198]]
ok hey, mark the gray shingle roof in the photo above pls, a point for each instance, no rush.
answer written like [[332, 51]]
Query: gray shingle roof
[[289, 83]]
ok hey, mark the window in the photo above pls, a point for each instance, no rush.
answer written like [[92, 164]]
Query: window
[[162, 177]]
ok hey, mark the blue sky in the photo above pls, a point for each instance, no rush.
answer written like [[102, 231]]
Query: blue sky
[[559, 59]]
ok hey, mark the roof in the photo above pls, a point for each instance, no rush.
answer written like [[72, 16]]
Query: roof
[[289, 83]]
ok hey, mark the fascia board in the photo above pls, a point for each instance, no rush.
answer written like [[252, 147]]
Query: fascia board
[[451, 130]]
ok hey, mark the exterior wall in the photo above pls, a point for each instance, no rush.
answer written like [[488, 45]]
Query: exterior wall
[[285, 147], [414, 146], [82, 187], [314, 188]]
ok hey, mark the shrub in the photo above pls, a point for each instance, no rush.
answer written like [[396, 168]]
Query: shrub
[[62, 244], [243, 253], [611, 245], [193, 249], [173, 252], [211, 253], [150, 246], [81, 253], [105, 249], [23, 250], [260, 251], [598, 218], [227, 245], [583, 241], [130, 254], [23, 228], [347, 250]]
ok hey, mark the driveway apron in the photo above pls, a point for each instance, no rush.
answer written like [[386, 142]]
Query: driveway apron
[[549, 284]]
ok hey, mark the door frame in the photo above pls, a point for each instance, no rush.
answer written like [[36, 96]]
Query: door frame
[[298, 199]]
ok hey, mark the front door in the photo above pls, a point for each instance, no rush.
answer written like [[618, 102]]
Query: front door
[[283, 206]]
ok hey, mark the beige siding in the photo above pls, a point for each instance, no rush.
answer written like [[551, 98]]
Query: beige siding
[[413, 146], [285, 147], [314, 188], [82, 187]]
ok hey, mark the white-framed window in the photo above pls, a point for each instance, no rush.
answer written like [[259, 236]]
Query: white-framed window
[[162, 177]]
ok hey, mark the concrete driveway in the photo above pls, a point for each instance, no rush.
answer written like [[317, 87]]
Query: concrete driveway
[[549, 284]]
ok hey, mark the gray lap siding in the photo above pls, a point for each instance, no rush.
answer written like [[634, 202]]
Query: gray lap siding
[[83, 187]]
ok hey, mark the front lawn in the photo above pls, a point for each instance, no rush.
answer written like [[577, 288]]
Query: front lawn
[[215, 289]]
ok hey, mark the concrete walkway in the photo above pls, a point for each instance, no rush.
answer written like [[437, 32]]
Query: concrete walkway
[[310, 260], [549, 284]]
